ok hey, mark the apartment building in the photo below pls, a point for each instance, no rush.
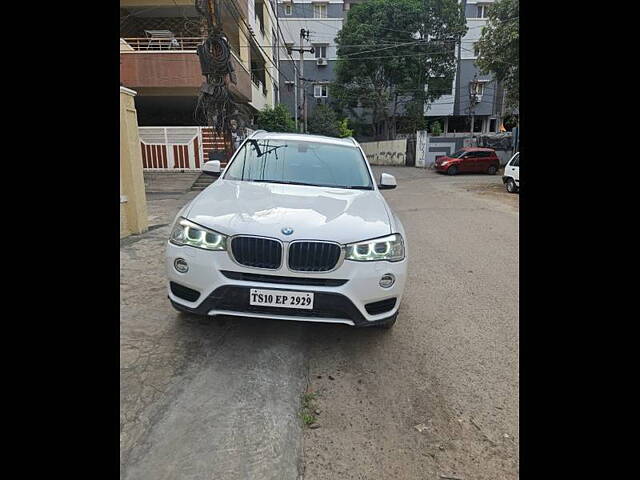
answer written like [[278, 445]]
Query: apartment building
[[323, 19], [454, 109], [158, 56]]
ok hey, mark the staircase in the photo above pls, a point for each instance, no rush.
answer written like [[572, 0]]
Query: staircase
[[203, 181], [210, 141]]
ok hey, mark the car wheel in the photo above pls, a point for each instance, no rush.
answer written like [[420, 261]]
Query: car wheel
[[389, 323], [452, 170], [492, 170], [511, 186]]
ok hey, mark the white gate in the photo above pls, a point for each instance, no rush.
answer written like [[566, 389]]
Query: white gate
[[177, 148]]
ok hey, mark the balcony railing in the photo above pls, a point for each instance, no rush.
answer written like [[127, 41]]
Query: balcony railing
[[164, 44]]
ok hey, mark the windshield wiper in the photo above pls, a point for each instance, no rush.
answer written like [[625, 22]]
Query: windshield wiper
[[259, 152], [357, 187]]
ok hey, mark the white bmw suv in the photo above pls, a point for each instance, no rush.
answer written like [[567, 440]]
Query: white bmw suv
[[295, 228]]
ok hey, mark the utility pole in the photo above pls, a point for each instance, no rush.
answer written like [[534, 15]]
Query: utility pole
[[300, 95], [295, 87], [301, 82], [473, 101]]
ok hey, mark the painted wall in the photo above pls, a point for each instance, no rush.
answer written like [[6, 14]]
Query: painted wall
[[321, 74], [305, 9], [466, 72], [458, 102], [388, 152], [133, 203], [323, 31]]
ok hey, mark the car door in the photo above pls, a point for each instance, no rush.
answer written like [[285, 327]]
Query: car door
[[512, 169], [516, 169], [467, 162], [482, 161]]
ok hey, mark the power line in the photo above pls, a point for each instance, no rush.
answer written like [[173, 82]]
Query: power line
[[428, 53]]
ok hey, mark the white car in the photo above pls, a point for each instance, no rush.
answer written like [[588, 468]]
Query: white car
[[511, 176], [295, 228]]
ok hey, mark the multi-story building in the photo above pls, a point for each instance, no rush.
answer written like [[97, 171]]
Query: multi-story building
[[158, 56], [323, 20], [472, 94]]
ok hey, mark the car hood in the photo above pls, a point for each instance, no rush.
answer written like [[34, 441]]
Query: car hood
[[264, 209]]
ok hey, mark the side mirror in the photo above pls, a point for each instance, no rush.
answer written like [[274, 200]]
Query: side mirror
[[212, 167], [387, 182]]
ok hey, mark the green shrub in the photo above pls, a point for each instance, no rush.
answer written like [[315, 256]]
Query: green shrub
[[276, 119]]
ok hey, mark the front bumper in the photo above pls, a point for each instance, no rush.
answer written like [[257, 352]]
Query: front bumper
[[441, 168], [345, 303]]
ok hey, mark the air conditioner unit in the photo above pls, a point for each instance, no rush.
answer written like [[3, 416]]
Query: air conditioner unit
[[321, 61]]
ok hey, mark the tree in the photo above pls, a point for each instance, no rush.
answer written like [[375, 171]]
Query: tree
[[323, 121], [343, 126], [498, 47], [276, 119], [388, 50], [436, 129]]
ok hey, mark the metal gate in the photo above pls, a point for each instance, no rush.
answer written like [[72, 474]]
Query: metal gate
[[410, 157]]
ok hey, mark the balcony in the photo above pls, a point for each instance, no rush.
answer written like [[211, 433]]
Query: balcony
[[171, 66]]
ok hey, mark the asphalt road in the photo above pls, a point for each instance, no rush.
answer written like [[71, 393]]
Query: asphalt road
[[220, 398]]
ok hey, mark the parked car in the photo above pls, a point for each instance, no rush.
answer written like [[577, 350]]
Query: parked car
[[469, 159], [511, 176], [294, 229]]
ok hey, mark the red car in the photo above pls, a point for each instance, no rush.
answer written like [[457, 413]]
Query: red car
[[469, 159]]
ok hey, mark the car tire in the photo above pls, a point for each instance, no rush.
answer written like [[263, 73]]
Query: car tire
[[492, 170], [511, 186], [452, 170], [389, 323]]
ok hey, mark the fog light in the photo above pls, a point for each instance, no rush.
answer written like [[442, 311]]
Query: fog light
[[180, 265], [387, 280]]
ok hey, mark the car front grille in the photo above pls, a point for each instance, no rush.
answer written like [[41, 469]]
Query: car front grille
[[257, 252], [313, 256]]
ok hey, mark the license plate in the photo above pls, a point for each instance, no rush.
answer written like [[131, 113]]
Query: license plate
[[280, 298]]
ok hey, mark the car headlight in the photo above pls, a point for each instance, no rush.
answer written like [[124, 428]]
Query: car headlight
[[187, 233], [389, 248]]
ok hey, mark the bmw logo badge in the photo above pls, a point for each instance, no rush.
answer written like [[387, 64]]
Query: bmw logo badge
[[287, 230]]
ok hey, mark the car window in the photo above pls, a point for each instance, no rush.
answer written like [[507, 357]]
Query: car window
[[458, 154], [300, 162], [482, 154], [516, 161]]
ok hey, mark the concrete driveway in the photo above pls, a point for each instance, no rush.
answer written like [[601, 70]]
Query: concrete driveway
[[436, 396]]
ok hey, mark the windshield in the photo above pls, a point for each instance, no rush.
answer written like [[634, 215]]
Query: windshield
[[458, 154], [300, 163]]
